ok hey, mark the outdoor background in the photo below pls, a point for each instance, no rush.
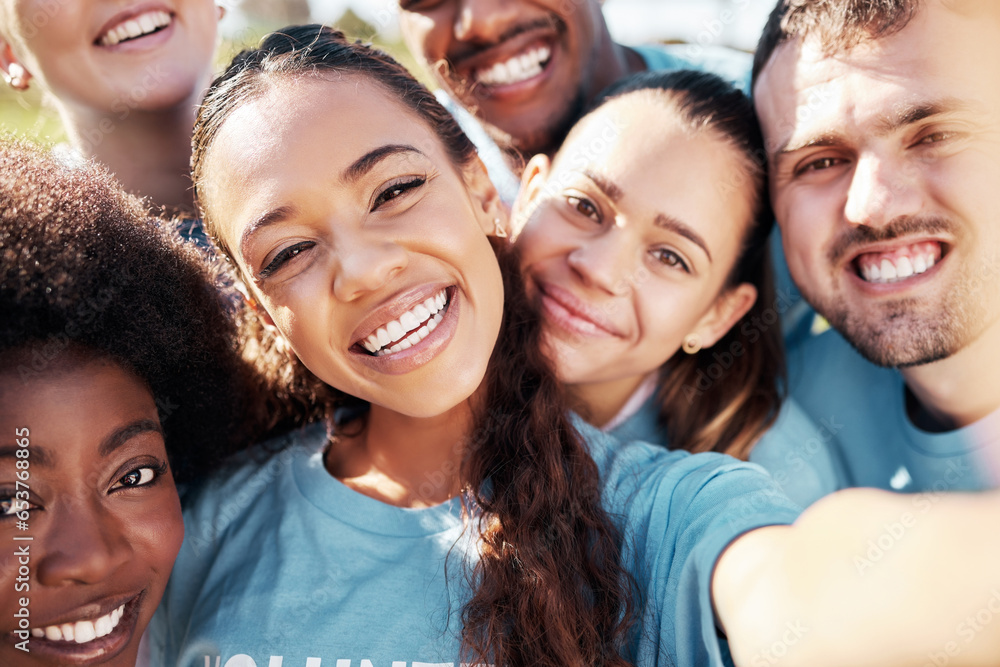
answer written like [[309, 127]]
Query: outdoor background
[[735, 23]]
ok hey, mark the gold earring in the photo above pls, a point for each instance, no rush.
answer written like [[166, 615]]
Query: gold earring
[[692, 343], [498, 229]]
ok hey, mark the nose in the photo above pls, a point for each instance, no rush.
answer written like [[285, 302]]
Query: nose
[[83, 544], [483, 21], [367, 262], [603, 261], [881, 190]]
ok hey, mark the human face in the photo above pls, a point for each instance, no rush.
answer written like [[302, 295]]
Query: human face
[[81, 52], [883, 176], [102, 513], [527, 68], [630, 238], [355, 233]]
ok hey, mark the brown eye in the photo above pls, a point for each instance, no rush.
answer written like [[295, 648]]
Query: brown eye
[[670, 258], [584, 207]]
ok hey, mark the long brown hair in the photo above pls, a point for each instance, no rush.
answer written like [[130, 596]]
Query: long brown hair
[[549, 589], [723, 398]]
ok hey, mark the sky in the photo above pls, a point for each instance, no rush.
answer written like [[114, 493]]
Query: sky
[[720, 22]]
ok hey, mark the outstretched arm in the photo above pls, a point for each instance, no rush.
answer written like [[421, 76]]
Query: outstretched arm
[[867, 577]]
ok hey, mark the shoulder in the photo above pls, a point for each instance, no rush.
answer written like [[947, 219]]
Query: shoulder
[[250, 479], [732, 65], [640, 478], [802, 455]]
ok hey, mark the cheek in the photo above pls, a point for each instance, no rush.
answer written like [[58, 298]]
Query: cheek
[[156, 534], [544, 236]]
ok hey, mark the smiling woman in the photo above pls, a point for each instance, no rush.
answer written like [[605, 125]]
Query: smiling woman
[[125, 79], [119, 370]]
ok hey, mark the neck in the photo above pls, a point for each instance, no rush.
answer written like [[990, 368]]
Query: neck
[[148, 151], [404, 461], [959, 390], [599, 402]]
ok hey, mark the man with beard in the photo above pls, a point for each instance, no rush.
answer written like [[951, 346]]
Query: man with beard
[[527, 69], [882, 125]]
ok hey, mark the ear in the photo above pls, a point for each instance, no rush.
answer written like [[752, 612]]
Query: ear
[[727, 310], [492, 213], [532, 181], [14, 73]]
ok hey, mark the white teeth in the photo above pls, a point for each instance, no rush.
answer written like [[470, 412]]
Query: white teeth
[[395, 330], [411, 327], [82, 632], [135, 27], [904, 269], [409, 321], [516, 69], [888, 271]]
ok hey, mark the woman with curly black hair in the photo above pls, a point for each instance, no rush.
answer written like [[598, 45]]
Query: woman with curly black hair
[[119, 372]]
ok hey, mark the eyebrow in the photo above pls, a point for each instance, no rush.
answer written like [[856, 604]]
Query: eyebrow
[[36, 455], [610, 189], [352, 174], [40, 456], [123, 435], [903, 117], [369, 160], [676, 226]]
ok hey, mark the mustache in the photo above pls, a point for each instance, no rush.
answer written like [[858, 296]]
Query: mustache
[[467, 50], [857, 237]]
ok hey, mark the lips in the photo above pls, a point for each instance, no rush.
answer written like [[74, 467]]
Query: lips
[[898, 264], [409, 328], [133, 24], [518, 68], [515, 64], [89, 636], [567, 311]]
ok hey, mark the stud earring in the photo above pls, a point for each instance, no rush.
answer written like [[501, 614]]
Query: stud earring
[[692, 343], [16, 77], [498, 228]]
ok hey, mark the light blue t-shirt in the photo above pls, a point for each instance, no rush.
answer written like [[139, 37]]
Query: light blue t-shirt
[[799, 453], [285, 566], [864, 406]]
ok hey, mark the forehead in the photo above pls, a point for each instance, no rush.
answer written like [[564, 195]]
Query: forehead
[[639, 143], [942, 55], [301, 129]]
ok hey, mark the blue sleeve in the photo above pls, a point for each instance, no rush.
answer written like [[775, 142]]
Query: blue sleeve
[[678, 513]]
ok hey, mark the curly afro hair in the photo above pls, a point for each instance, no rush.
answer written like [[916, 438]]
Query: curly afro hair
[[84, 271]]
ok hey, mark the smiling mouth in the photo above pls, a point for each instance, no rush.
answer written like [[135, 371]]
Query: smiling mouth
[[82, 632], [409, 329], [899, 265], [520, 67], [135, 27]]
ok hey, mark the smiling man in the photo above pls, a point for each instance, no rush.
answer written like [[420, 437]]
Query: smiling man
[[527, 68], [882, 123]]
